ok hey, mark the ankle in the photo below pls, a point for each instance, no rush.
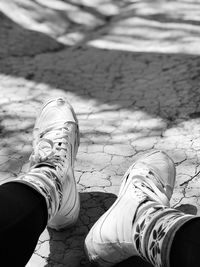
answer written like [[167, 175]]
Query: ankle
[[154, 232]]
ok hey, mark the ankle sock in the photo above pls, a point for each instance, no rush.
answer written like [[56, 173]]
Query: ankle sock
[[154, 231]]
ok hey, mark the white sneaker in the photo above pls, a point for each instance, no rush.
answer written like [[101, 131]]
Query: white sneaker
[[150, 179], [55, 145]]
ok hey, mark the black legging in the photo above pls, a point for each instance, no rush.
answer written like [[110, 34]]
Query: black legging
[[185, 250], [24, 217]]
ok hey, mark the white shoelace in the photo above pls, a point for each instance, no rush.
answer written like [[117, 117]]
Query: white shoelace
[[151, 191], [52, 148], [148, 186]]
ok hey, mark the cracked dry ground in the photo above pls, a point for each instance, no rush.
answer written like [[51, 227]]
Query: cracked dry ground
[[127, 103]]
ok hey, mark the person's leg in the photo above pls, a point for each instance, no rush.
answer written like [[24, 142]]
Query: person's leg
[[185, 249], [140, 222], [23, 217], [155, 232], [47, 193]]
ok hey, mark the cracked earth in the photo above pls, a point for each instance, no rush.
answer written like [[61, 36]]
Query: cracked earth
[[131, 71]]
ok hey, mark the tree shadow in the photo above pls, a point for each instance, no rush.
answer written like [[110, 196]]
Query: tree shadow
[[19, 42], [152, 82], [155, 91]]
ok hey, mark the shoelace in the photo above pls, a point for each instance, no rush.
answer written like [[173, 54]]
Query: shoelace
[[149, 189], [147, 186], [52, 148]]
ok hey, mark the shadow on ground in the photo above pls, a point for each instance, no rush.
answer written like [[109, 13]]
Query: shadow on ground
[[147, 85], [160, 84]]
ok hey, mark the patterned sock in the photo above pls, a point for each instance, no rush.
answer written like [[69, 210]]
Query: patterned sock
[[154, 231]]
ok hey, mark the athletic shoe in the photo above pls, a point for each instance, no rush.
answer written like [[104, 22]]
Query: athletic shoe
[[148, 181], [55, 145]]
